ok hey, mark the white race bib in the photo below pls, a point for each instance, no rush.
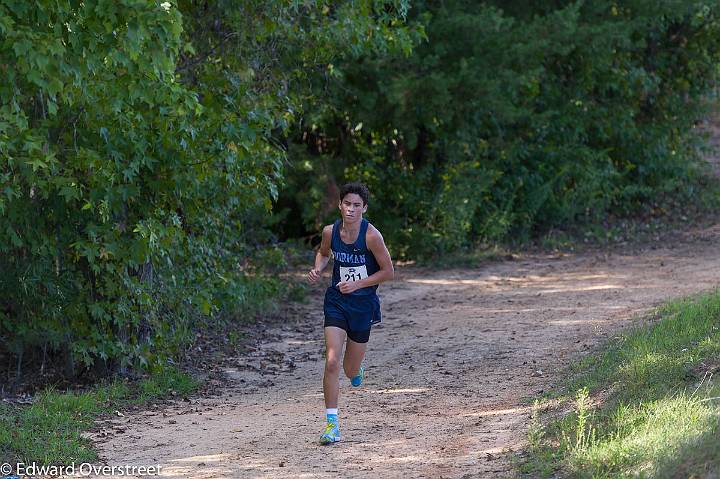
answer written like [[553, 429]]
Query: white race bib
[[353, 273]]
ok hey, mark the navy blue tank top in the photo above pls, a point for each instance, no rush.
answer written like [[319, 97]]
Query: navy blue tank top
[[352, 261]]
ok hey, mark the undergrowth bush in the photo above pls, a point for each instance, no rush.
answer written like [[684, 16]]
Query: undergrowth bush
[[510, 119]]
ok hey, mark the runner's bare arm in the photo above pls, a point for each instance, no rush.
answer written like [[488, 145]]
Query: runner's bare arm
[[322, 257], [376, 245]]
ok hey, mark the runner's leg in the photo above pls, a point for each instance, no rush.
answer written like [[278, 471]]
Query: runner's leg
[[354, 354], [334, 339]]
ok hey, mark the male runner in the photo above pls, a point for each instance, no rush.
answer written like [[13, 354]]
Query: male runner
[[361, 262]]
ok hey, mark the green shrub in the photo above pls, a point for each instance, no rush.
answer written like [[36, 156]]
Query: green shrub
[[510, 119], [139, 157]]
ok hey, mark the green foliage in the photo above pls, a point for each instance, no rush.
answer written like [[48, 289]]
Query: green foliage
[[140, 151], [509, 120], [143, 145]]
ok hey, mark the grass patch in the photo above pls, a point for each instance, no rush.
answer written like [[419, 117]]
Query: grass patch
[[49, 431], [170, 381], [648, 406]]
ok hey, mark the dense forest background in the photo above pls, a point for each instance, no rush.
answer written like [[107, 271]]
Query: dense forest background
[[153, 155]]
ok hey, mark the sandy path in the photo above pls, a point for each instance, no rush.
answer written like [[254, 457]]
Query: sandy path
[[451, 371]]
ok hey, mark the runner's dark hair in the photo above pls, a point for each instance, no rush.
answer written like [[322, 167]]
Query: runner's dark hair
[[358, 188]]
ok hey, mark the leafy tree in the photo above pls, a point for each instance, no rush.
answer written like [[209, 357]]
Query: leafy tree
[[512, 118], [139, 150]]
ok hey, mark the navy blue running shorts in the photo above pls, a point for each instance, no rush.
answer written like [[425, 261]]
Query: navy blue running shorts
[[354, 313]]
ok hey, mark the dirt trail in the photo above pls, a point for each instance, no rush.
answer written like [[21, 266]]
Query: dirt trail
[[451, 371]]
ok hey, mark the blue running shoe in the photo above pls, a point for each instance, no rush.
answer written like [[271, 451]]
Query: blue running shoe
[[357, 380], [331, 434]]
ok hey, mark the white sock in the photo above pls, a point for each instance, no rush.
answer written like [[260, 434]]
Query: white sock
[[331, 411]]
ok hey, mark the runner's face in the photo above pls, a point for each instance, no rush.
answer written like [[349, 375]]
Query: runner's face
[[352, 208]]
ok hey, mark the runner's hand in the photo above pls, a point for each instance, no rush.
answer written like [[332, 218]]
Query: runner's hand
[[347, 287], [313, 275]]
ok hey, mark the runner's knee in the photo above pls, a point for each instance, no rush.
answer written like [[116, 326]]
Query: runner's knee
[[332, 365]]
